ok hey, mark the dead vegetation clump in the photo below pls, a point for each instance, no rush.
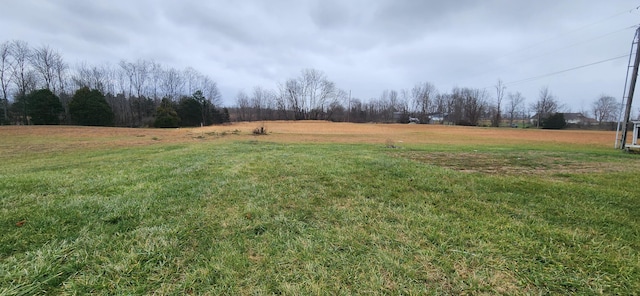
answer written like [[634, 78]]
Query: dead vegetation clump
[[390, 144], [261, 130]]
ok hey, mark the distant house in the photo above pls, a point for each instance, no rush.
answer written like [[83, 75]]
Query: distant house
[[398, 116], [437, 117], [570, 118], [579, 119]]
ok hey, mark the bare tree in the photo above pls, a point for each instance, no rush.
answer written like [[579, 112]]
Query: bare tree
[[440, 104], [22, 76], [93, 77], [156, 79], [269, 103], [516, 101], [545, 106], [291, 97], [318, 92], [258, 100], [385, 106], [500, 87], [190, 76], [60, 69], [127, 70], [111, 78], [422, 93], [465, 106], [309, 95], [404, 101], [605, 108], [5, 77], [140, 76], [43, 59], [474, 104], [172, 83], [455, 105], [60, 84], [282, 101], [356, 110], [210, 90], [121, 78], [394, 100], [243, 104], [336, 110]]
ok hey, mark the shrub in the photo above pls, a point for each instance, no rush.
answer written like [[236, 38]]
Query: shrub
[[261, 130], [44, 107], [555, 121], [166, 115]]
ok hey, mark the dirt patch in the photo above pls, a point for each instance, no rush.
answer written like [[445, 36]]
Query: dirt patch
[[530, 162]]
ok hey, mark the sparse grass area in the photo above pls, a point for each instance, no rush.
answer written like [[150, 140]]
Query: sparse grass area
[[229, 213]]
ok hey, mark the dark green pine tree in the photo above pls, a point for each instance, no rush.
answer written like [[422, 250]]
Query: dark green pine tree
[[555, 121], [190, 112], [89, 107], [43, 107], [166, 115]]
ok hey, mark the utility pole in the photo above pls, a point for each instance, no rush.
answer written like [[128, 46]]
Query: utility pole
[[632, 87]]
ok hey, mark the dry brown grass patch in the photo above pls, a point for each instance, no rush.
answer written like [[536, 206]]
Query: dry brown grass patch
[[530, 162], [53, 138]]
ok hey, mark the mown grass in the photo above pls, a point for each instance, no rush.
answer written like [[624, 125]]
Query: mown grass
[[254, 217]]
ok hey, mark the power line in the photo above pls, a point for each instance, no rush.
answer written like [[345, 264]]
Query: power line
[[563, 71], [554, 51], [568, 32], [544, 41], [580, 42]]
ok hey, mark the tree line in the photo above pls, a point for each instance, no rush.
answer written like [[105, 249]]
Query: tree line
[[312, 95], [146, 93], [36, 83]]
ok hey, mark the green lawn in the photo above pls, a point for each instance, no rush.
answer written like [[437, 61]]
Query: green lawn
[[254, 217]]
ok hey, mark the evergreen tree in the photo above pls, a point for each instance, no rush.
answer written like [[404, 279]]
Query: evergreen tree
[[43, 107], [199, 97], [89, 107], [190, 112], [225, 115], [166, 115], [19, 109], [555, 121]]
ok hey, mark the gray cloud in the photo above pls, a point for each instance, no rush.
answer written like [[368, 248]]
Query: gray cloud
[[365, 46]]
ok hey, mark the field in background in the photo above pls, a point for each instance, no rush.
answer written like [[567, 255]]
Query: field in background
[[317, 207], [304, 131]]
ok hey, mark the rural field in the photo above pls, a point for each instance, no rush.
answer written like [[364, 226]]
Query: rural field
[[317, 208]]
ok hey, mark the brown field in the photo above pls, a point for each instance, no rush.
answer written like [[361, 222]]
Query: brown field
[[48, 138]]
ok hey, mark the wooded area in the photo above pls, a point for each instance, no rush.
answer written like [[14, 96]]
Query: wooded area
[[147, 93]]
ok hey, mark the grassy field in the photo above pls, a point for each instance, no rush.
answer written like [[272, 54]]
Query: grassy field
[[317, 208]]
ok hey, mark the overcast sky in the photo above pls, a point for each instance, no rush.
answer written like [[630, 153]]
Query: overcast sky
[[363, 46]]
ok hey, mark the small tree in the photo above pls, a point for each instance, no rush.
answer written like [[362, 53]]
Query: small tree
[[555, 121], [89, 107], [43, 107], [166, 115]]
